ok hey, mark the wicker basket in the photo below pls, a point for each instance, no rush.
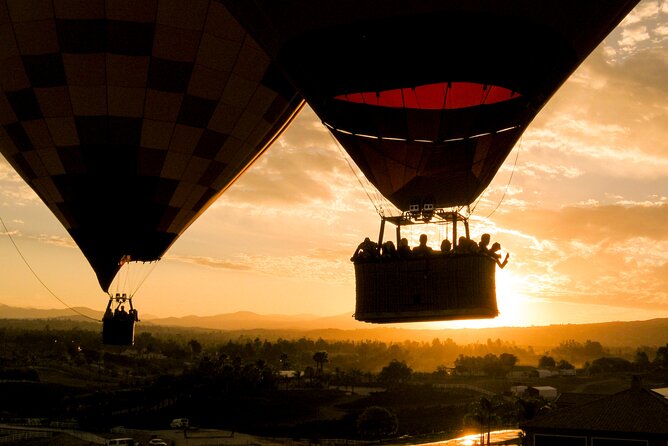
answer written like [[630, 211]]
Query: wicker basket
[[434, 288]]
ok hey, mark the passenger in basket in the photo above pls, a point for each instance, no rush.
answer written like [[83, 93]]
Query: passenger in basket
[[367, 250], [422, 249], [482, 245], [496, 256], [404, 251], [446, 246], [388, 250]]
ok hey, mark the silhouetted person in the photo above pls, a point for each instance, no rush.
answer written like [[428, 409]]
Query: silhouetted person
[[389, 250], [366, 250], [446, 246], [466, 246], [422, 249], [497, 257], [482, 245], [134, 315], [404, 251], [122, 315]]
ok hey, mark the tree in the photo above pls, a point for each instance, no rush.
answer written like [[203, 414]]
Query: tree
[[441, 372], [661, 359], [285, 363], [195, 347], [508, 360], [484, 412], [564, 365], [377, 422], [354, 377], [492, 366], [641, 359], [320, 359], [396, 372], [609, 365], [546, 362]]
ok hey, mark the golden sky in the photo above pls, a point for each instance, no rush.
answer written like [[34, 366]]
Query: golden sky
[[584, 216]]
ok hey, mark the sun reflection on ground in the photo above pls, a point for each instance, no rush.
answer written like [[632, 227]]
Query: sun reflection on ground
[[496, 437]]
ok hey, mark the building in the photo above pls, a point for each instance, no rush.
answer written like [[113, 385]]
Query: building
[[518, 390], [548, 393], [633, 417]]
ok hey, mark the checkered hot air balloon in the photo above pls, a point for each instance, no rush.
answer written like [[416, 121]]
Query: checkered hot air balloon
[[129, 117]]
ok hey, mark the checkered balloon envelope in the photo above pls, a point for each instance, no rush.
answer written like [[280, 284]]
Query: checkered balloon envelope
[[128, 119]]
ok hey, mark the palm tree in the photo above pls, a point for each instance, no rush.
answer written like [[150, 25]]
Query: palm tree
[[354, 378], [320, 359], [484, 413]]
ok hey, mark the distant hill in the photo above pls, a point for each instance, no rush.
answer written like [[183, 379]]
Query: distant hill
[[7, 312], [652, 332]]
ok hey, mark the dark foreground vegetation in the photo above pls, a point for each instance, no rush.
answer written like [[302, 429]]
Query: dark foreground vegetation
[[58, 372]]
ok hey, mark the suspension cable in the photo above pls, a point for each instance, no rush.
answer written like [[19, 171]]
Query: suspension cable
[[37, 277], [378, 207], [517, 155]]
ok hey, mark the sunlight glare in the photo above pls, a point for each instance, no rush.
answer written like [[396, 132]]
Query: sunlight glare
[[514, 307]]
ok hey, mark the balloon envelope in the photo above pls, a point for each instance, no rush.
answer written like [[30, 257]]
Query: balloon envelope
[[428, 97], [128, 118]]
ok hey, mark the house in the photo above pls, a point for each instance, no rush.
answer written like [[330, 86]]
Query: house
[[633, 417], [568, 399], [518, 390], [545, 373], [662, 391], [547, 392]]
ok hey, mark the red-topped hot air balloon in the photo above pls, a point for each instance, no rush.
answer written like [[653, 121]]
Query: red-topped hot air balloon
[[129, 118], [428, 98]]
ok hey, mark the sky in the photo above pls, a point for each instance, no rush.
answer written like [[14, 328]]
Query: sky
[[581, 205]]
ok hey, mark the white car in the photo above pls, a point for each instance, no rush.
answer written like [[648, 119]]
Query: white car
[[127, 441], [179, 423], [157, 442]]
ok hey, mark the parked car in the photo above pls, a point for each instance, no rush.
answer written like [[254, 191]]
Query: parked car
[[126, 441], [157, 442], [179, 423]]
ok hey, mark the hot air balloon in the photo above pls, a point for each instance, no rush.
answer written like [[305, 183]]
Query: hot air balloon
[[428, 98], [128, 118]]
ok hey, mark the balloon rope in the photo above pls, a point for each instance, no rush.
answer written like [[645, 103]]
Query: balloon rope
[[153, 265], [378, 207], [37, 277], [517, 155]]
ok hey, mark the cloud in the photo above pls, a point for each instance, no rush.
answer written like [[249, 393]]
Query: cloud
[[615, 255], [304, 167], [591, 224], [642, 28], [319, 264], [534, 169], [55, 240], [13, 190], [12, 233], [209, 262]]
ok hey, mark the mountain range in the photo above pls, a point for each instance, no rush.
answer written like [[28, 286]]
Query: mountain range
[[653, 332]]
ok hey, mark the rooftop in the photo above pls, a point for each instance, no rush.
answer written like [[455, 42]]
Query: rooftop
[[630, 411]]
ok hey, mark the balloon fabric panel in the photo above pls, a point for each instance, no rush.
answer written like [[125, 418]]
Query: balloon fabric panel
[[128, 120], [454, 83]]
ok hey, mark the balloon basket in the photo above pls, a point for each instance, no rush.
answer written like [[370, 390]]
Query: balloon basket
[[118, 326], [115, 332], [434, 288]]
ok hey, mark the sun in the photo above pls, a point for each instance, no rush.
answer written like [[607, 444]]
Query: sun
[[514, 306]]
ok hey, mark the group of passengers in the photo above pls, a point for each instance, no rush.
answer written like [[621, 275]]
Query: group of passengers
[[119, 314], [370, 250]]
